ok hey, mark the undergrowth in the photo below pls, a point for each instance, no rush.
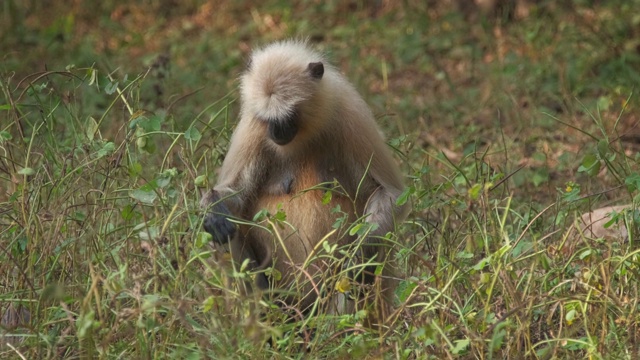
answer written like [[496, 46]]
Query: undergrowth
[[508, 131]]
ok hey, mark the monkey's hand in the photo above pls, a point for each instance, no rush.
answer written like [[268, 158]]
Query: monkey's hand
[[216, 221]]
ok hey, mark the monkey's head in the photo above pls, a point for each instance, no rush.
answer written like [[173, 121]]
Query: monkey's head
[[278, 89]]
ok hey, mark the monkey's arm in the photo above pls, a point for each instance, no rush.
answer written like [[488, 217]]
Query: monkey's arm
[[238, 181], [374, 168], [384, 177], [381, 210]]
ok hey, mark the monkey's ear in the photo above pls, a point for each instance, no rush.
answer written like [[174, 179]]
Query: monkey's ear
[[316, 69], [248, 64]]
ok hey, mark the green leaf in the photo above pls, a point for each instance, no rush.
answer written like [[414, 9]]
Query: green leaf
[[604, 102], [145, 145], [280, 215], [150, 186], [633, 182], [26, 171], [93, 76], [461, 346], [603, 148], [260, 215], [475, 191], [192, 134], [614, 219], [481, 264], [144, 196], [540, 176], [92, 128], [404, 289], [585, 254], [5, 136], [275, 274], [326, 197], [150, 124], [499, 333], [378, 270], [355, 229], [171, 172], [404, 197], [106, 149], [85, 323], [135, 169], [570, 316], [208, 303], [201, 181], [127, 212], [111, 88], [202, 239], [154, 123], [141, 142], [163, 181], [590, 165], [150, 233], [464, 255], [340, 221]]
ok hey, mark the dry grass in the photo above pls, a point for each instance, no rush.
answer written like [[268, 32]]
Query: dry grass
[[508, 129]]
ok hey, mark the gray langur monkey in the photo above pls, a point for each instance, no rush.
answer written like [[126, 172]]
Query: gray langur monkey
[[303, 130]]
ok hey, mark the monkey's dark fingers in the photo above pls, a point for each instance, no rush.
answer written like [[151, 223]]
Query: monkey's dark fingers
[[219, 227], [216, 221]]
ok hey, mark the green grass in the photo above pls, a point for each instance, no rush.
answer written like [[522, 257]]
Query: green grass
[[113, 118]]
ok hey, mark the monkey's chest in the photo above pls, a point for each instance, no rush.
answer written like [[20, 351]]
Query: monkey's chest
[[308, 204]]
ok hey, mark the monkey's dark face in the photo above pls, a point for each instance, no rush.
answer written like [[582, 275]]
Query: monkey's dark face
[[282, 131]]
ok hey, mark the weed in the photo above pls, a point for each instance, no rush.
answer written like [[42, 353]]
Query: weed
[[114, 117]]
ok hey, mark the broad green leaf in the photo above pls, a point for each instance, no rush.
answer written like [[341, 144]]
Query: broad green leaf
[[202, 239], [570, 316], [111, 88], [147, 197], [404, 289], [461, 346], [92, 128], [201, 181], [404, 197], [26, 171], [590, 165], [85, 323], [475, 191], [106, 149], [192, 134], [5, 136], [135, 169]]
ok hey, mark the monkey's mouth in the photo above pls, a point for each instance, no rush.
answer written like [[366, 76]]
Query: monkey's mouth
[[282, 131]]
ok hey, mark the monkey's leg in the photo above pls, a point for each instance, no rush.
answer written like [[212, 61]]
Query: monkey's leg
[[382, 210], [243, 247]]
